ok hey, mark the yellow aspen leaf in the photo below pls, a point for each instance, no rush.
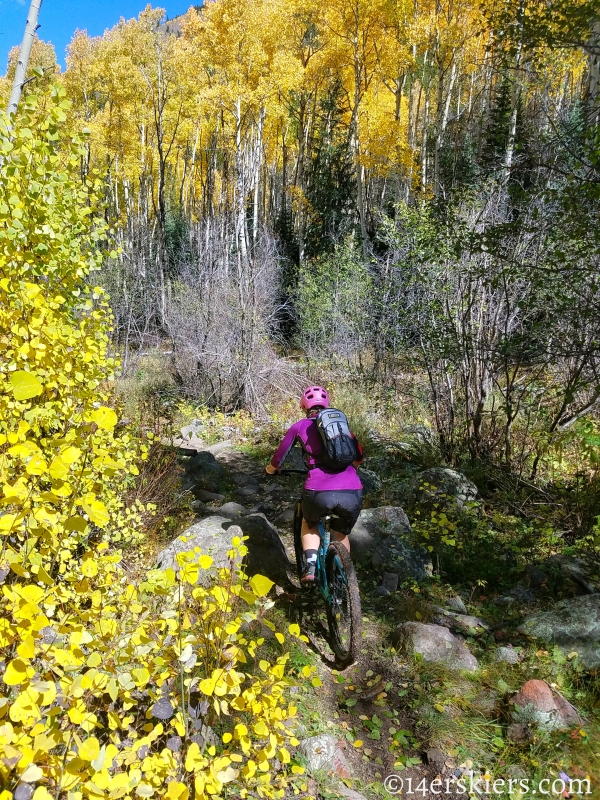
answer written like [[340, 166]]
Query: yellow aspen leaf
[[141, 676], [358, 743], [89, 749], [70, 454], [94, 659], [297, 770], [280, 637], [227, 775], [25, 385], [17, 672], [294, 629], [261, 585], [32, 774], [248, 597], [27, 647], [104, 418], [227, 737], [316, 682], [89, 567], [58, 469], [205, 562], [41, 793], [177, 790], [284, 755], [260, 729], [307, 671], [207, 686], [96, 511]]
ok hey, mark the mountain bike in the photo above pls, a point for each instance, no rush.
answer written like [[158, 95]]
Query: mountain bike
[[335, 579]]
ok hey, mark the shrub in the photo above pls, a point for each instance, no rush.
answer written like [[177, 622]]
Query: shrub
[[109, 689]]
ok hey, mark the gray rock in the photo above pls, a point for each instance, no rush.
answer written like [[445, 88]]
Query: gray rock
[[456, 603], [24, 791], [507, 655], [435, 757], [459, 623], [573, 625], [537, 705], [266, 552], [435, 643], [537, 577], [232, 510], [570, 575], [213, 536], [246, 491], [324, 753], [194, 430], [206, 497], [205, 471], [384, 537], [350, 794], [518, 733], [443, 488], [286, 517], [522, 594], [390, 581], [370, 480], [242, 479]]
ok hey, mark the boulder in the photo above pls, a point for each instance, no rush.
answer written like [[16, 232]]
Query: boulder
[[242, 479], [266, 553], [232, 510], [573, 625], [383, 537], [205, 471], [435, 643], [569, 576], [212, 536], [507, 655], [207, 497], [441, 488], [193, 430], [247, 491], [456, 603], [324, 753], [459, 623], [370, 480], [537, 705], [286, 517]]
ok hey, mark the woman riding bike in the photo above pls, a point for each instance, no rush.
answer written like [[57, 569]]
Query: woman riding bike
[[337, 493]]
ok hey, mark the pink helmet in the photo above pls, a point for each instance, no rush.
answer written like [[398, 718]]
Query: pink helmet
[[314, 396]]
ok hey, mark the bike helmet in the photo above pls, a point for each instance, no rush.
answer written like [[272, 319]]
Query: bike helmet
[[314, 396]]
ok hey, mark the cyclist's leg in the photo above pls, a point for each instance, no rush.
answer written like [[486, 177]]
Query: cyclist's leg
[[312, 511], [344, 516], [338, 536]]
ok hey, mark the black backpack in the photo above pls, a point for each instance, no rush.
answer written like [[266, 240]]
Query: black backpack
[[339, 447]]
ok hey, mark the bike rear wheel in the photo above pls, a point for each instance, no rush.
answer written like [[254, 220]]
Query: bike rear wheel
[[299, 550], [343, 604]]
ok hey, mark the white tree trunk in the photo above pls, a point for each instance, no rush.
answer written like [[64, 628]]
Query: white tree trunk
[[24, 53]]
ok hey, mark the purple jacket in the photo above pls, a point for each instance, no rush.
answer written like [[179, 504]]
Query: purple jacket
[[319, 478]]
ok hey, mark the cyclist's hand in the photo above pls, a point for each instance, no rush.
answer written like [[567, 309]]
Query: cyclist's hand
[[271, 470]]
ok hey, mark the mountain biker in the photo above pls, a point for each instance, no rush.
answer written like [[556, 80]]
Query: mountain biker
[[326, 491]]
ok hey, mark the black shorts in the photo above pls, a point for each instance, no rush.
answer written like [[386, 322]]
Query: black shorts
[[343, 506]]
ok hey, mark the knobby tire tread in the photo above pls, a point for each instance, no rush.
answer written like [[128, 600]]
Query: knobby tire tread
[[345, 658]]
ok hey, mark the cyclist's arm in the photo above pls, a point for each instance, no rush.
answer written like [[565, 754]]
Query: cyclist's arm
[[359, 450], [284, 448]]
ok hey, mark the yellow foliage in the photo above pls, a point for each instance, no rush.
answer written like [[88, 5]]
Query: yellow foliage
[[101, 674]]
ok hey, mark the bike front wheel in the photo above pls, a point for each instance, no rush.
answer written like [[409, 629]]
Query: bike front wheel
[[343, 604]]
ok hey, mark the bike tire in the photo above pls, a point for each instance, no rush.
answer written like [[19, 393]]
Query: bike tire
[[298, 549], [344, 615]]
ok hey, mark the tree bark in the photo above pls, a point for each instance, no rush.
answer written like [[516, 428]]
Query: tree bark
[[24, 53]]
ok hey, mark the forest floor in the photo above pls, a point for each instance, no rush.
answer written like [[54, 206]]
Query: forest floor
[[386, 715]]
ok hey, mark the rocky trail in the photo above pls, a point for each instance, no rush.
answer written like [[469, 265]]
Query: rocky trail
[[397, 710]]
